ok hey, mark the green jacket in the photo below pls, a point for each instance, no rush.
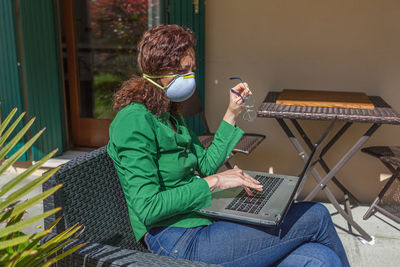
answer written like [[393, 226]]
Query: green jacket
[[157, 167]]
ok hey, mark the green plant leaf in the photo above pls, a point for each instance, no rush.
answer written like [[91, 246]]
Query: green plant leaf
[[15, 241], [23, 191], [7, 120], [12, 249], [32, 246], [11, 129], [4, 259], [27, 203], [65, 243], [37, 238], [20, 151], [18, 226], [16, 180], [59, 238], [51, 244], [51, 226], [26, 254], [15, 219], [16, 248], [59, 257]]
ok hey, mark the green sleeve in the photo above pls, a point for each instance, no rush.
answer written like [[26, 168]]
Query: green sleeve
[[137, 151], [225, 139]]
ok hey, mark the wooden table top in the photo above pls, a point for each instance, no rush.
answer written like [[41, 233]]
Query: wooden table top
[[294, 97]]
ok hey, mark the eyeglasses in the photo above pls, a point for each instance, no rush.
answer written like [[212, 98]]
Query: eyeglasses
[[249, 114]]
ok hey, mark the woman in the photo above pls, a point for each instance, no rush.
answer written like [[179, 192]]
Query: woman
[[160, 161]]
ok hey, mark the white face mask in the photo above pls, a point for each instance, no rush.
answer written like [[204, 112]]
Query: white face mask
[[179, 89]]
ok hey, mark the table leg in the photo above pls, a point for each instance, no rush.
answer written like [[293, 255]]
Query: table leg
[[347, 209], [324, 151], [343, 160], [318, 178]]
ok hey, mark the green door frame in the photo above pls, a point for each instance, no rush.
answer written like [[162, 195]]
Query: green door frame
[[11, 88], [43, 79], [30, 74]]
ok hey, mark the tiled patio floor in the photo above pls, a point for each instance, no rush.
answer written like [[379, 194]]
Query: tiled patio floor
[[383, 253]]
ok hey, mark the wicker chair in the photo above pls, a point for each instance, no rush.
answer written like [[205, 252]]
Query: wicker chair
[[390, 157], [246, 144], [92, 196]]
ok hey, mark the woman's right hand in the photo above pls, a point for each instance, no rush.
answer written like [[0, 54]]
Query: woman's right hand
[[233, 178]]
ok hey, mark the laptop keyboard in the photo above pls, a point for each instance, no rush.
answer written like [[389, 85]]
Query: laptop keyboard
[[245, 203]]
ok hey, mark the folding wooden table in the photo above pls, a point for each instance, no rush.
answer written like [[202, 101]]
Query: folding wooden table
[[381, 114]]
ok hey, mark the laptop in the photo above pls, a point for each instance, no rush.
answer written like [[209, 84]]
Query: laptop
[[269, 207]]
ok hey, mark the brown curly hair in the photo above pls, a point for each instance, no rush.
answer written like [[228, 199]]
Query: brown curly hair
[[161, 50]]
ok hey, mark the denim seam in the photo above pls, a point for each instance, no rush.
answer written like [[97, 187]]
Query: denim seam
[[147, 243], [188, 234], [167, 250], [162, 248], [182, 239], [159, 235], [264, 249], [159, 250]]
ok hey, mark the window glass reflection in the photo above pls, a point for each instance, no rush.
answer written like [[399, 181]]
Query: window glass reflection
[[107, 33]]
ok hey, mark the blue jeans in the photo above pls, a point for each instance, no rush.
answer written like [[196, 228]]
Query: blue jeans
[[306, 237]]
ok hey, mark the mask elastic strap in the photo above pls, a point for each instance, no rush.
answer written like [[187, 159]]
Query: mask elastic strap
[[153, 82], [159, 76], [149, 78]]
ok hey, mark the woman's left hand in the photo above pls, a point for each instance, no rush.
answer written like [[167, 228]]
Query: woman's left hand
[[236, 104]]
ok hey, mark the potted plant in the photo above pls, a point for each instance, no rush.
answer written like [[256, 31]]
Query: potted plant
[[16, 247]]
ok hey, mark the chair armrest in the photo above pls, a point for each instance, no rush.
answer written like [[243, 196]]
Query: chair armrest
[[96, 254]]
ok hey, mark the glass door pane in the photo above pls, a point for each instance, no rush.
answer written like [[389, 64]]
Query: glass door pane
[[106, 36]]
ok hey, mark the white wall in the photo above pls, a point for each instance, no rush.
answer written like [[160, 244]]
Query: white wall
[[349, 45]]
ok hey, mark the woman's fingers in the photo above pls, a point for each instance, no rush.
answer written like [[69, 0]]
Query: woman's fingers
[[243, 90], [239, 88], [246, 93], [246, 176], [251, 182], [255, 186], [251, 178], [245, 179], [248, 191], [239, 101], [236, 177]]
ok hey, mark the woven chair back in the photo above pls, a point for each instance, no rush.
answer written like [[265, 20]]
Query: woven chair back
[[92, 196]]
